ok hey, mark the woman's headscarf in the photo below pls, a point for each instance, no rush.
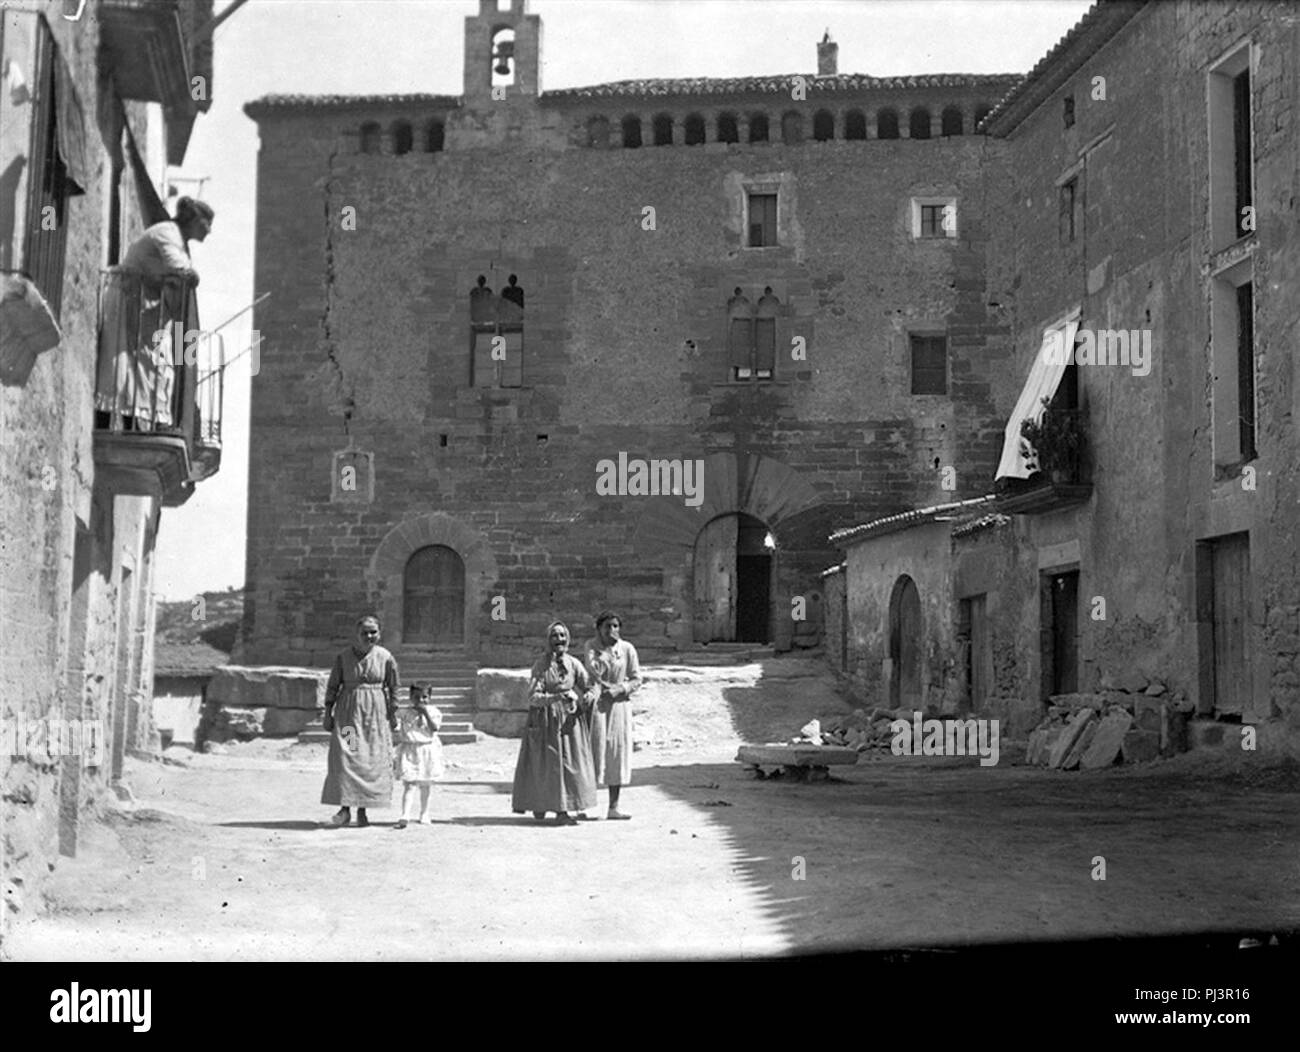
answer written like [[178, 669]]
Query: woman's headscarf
[[568, 636]]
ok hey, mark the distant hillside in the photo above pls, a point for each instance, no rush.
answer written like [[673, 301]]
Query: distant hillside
[[222, 612]]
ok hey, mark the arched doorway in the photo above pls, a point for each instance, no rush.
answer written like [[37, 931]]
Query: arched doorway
[[733, 581], [905, 644], [433, 597]]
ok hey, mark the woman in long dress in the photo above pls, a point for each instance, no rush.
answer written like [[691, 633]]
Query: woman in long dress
[[147, 304], [555, 771], [361, 713]]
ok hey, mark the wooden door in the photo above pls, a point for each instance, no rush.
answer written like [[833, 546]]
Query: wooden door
[[1065, 632], [715, 581], [433, 597], [1231, 584], [905, 644]]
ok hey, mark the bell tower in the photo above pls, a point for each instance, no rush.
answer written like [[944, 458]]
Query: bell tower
[[503, 45]]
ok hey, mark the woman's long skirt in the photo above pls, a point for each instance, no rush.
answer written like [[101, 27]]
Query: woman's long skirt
[[555, 771], [361, 751], [611, 742]]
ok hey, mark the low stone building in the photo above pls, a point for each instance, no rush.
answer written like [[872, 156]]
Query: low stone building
[[91, 112], [1147, 257], [181, 674]]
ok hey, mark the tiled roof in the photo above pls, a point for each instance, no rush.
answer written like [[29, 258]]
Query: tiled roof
[[984, 522], [187, 660], [936, 513], [657, 88], [1101, 22], [835, 569], [257, 107], [779, 83]]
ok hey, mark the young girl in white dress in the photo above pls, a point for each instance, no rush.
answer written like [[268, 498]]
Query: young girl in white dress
[[419, 755]]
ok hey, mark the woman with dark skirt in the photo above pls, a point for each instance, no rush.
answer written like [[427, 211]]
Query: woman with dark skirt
[[361, 714], [555, 770]]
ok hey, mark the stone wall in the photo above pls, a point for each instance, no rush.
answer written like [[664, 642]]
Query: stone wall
[[367, 339], [1139, 262], [77, 561]]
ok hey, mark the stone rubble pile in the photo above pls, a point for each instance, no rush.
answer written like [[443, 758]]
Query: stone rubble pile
[[861, 729], [1132, 720]]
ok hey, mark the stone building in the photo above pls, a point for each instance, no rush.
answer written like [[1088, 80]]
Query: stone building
[[1144, 212], [495, 317], [92, 110]]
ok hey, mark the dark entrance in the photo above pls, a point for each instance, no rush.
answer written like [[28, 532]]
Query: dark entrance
[[433, 597], [733, 581], [1060, 607], [905, 644]]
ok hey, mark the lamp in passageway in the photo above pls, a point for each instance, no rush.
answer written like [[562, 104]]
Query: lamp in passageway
[[769, 542]]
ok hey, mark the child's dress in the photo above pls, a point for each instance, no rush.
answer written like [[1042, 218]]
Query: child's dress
[[419, 754]]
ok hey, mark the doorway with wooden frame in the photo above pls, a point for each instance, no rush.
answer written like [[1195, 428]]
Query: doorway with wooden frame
[[733, 567], [905, 644], [433, 597]]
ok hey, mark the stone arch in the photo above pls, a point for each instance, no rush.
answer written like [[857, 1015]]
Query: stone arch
[[388, 564], [759, 486]]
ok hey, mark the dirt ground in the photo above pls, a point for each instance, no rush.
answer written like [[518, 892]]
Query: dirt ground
[[225, 857]]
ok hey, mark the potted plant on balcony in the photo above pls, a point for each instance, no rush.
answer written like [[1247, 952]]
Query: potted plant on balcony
[[1053, 443]]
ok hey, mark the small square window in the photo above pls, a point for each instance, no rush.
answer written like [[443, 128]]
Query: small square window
[[934, 217], [929, 364], [762, 220], [1068, 111]]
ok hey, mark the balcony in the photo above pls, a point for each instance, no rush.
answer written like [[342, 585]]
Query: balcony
[[1060, 478], [158, 390]]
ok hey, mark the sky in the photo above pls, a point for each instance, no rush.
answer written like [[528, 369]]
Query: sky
[[382, 46]]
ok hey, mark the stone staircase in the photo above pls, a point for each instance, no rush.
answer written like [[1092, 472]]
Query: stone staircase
[[448, 677]]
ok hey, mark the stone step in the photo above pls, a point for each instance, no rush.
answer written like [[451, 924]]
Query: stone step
[[433, 679], [458, 733]]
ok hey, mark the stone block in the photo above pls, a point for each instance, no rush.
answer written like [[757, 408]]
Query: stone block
[[501, 690], [1041, 743], [1074, 702], [1147, 713], [287, 722], [1140, 746], [1132, 680], [1075, 755], [1107, 741], [1063, 744], [1173, 731], [268, 686], [502, 724], [1155, 688], [223, 723]]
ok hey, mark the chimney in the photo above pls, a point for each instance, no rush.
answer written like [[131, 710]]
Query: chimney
[[828, 53]]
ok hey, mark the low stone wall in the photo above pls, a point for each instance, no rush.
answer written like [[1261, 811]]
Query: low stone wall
[[501, 701], [246, 701]]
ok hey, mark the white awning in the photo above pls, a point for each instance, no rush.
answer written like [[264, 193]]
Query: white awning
[[1044, 378]]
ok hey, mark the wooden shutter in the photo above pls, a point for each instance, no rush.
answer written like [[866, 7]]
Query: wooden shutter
[[740, 345], [764, 347], [929, 365], [512, 369]]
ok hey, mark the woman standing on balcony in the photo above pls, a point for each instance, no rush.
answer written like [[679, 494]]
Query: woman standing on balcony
[[361, 714], [143, 297]]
